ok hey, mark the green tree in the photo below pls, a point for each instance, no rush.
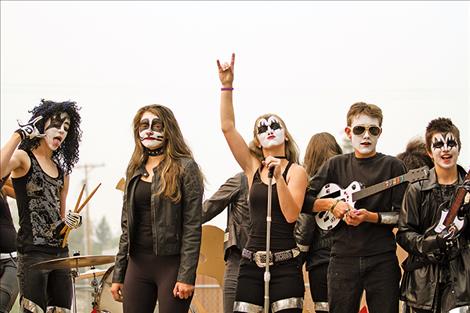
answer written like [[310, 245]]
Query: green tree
[[104, 236]]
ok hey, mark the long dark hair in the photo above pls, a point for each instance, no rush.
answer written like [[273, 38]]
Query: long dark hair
[[174, 147], [321, 147], [67, 155]]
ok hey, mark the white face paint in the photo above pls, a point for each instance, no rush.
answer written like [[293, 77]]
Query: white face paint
[[365, 143], [270, 132], [151, 131], [444, 150], [56, 129]]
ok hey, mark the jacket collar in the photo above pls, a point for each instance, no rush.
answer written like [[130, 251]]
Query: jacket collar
[[431, 182]]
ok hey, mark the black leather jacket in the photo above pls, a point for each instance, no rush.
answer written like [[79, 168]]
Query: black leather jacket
[[176, 227], [424, 268], [234, 195]]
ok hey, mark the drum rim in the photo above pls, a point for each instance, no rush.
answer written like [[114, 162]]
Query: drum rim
[[101, 286]]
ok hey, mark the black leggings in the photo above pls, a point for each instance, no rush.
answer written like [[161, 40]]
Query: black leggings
[[148, 278]]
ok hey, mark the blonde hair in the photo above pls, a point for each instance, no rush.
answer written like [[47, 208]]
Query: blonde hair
[[291, 149], [174, 149], [321, 147]]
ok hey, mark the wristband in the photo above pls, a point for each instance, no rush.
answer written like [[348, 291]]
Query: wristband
[[379, 218], [21, 133], [333, 206], [226, 89]]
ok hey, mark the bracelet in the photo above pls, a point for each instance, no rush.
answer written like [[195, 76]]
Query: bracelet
[[226, 89], [333, 206], [379, 218]]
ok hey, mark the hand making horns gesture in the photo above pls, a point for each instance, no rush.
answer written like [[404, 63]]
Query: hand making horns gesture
[[226, 72]]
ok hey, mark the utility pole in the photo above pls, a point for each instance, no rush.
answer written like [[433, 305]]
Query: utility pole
[[87, 224]]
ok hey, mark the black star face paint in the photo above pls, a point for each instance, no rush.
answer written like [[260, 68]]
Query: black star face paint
[[56, 129], [151, 131], [270, 132], [445, 150]]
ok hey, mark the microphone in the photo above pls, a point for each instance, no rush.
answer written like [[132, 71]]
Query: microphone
[[271, 172]]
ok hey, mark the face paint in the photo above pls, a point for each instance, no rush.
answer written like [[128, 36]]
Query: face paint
[[56, 129], [445, 150], [368, 130], [270, 132], [151, 131]]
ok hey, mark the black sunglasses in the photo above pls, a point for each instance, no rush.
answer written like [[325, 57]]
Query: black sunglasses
[[373, 130]]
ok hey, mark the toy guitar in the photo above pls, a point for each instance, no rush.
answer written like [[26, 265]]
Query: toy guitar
[[449, 216], [354, 192]]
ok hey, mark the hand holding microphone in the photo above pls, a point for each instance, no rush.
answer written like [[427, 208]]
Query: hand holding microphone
[[274, 166]]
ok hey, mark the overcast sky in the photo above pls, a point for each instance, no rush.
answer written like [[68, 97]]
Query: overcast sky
[[306, 61]]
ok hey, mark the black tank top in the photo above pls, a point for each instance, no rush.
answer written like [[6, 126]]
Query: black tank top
[[38, 200], [282, 232], [142, 241]]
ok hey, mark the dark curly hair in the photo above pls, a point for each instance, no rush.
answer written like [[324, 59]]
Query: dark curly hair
[[66, 156], [441, 125]]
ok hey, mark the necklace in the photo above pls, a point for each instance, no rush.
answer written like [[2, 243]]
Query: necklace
[[158, 151]]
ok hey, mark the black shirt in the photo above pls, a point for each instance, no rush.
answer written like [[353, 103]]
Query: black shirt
[[282, 232], [367, 238], [142, 231]]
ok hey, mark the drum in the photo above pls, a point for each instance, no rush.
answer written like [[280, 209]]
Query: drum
[[104, 298]]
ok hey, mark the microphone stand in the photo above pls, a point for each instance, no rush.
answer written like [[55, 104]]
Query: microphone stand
[[267, 274]]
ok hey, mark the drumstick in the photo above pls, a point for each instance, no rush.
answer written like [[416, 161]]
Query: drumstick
[[88, 198], [67, 232], [64, 229], [68, 229], [79, 198]]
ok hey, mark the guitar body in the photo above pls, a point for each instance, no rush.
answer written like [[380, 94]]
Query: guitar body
[[325, 219], [459, 222]]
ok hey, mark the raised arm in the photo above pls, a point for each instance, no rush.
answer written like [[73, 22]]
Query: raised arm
[[235, 141], [10, 158]]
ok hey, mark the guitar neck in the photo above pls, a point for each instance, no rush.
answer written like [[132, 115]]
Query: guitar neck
[[363, 193], [456, 204]]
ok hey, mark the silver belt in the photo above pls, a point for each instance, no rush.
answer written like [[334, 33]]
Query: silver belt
[[259, 257], [4, 256]]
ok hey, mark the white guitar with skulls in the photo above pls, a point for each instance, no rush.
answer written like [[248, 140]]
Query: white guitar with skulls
[[354, 192]]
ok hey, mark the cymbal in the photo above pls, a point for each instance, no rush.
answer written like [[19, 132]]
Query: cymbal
[[91, 274], [75, 261]]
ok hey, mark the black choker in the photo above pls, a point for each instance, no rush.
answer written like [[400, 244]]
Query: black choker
[[158, 151], [279, 157]]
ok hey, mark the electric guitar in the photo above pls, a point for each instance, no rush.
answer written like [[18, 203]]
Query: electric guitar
[[449, 216], [354, 192]]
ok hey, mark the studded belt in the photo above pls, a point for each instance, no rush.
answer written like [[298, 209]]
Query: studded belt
[[259, 257]]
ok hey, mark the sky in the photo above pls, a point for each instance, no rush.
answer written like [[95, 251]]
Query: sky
[[306, 61]]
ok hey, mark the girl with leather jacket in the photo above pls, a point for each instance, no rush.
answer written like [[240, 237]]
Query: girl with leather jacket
[[161, 218]]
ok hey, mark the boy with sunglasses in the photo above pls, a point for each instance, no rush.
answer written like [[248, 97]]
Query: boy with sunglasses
[[437, 270], [363, 252]]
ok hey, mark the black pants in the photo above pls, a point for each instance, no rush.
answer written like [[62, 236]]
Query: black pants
[[43, 288], [378, 275], [148, 278], [232, 268], [317, 277], [286, 282]]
